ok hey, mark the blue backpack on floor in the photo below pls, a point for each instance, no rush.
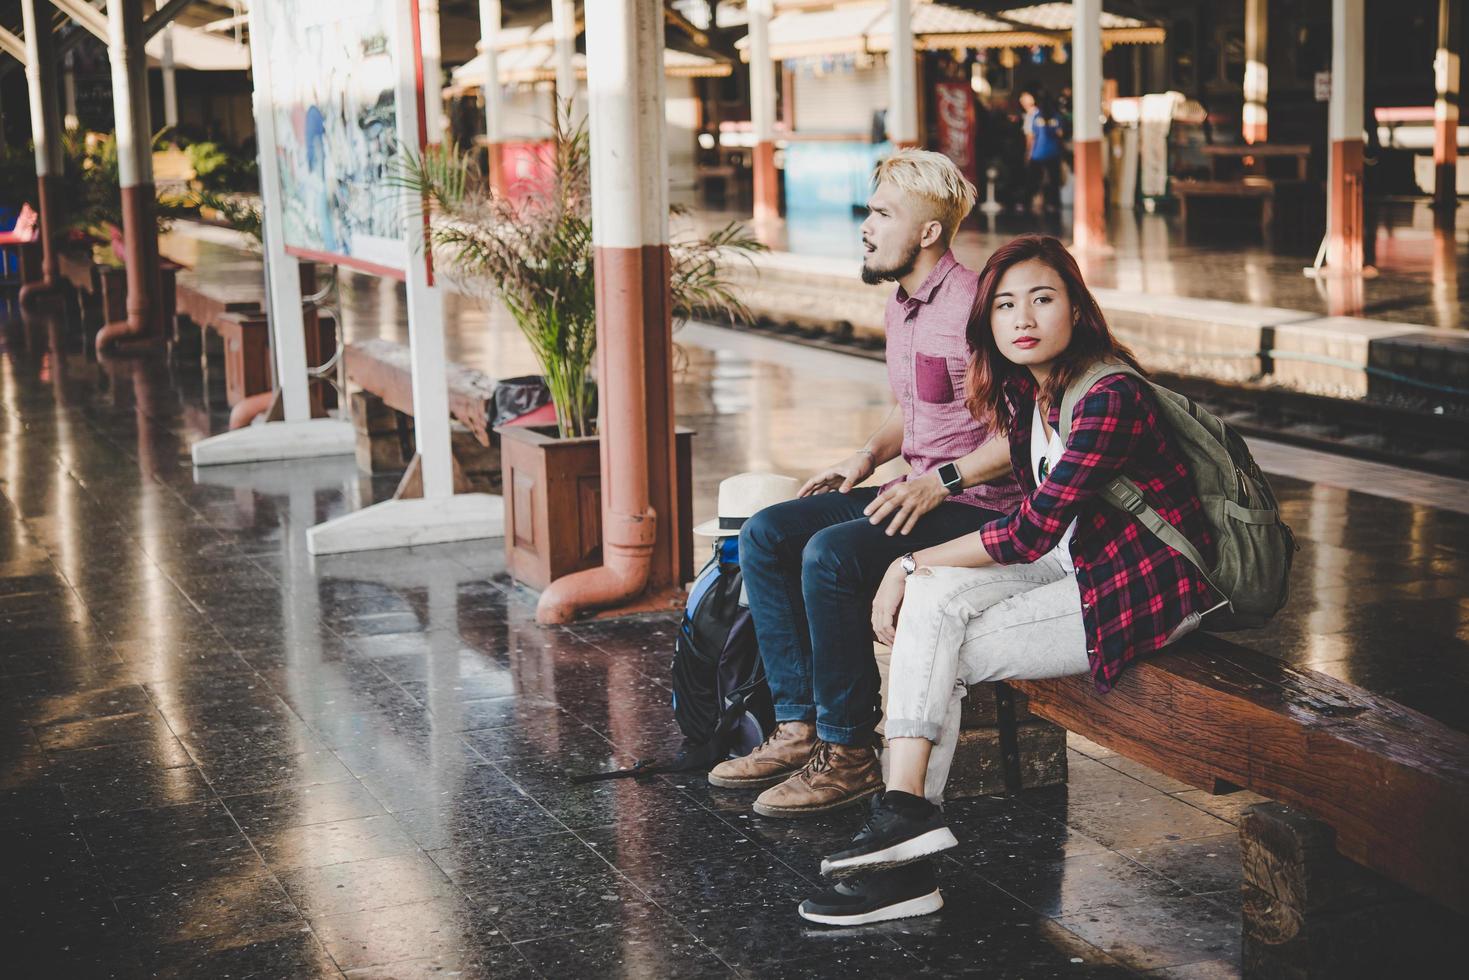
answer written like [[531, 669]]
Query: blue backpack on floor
[[721, 700]]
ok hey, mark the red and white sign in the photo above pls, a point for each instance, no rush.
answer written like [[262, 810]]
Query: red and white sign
[[955, 104]]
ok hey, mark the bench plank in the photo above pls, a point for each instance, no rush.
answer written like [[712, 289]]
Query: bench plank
[[1393, 783], [384, 368]]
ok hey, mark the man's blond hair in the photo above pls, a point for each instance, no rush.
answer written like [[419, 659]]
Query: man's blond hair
[[933, 178]]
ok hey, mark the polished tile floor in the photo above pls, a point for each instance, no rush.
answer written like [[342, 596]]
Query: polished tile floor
[[220, 757]]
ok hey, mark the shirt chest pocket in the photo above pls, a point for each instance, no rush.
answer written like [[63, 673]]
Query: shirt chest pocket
[[936, 379]]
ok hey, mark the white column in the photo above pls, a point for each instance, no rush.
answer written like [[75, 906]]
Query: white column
[[170, 82], [133, 129], [69, 93], [433, 70], [1345, 120], [902, 83], [283, 274], [40, 72], [1446, 113], [563, 26], [489, 36], [425, 301], [1257, 71], [762, 112], [1089, 228]]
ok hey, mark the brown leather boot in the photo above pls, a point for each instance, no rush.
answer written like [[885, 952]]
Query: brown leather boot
[[834, 777], [784, 752]]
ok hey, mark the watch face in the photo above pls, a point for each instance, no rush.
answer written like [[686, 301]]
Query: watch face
[[949, 474]]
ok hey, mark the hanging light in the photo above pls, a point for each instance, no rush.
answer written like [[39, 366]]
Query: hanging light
[[1061, 53], [1008, 57]]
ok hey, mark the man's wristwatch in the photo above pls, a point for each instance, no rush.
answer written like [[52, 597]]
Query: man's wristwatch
[[909, 563], [951, 478]]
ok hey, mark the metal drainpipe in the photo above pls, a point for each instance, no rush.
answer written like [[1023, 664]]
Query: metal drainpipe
[[630, 238]]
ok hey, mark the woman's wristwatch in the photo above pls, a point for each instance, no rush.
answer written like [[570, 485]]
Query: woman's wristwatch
[[951, 478], [909, 563]]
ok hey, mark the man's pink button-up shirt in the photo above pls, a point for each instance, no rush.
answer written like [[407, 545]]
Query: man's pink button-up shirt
[[927, 357]]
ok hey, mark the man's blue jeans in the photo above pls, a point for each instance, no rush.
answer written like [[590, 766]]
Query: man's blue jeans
[[811, 568]]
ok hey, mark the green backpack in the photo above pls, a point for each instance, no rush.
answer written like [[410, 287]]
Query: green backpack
[[1255, 548]]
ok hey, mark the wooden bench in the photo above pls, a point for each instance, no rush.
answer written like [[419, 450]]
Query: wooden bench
[[228, 299], [381, 411], [1361, 782], [1291, 160], [103, 289], [1282, 203]]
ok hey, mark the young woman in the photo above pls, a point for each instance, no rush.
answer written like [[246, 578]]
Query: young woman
[[1066, 584]]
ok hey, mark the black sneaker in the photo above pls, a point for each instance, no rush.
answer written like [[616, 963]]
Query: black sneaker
[[900, 893], [900, 828]]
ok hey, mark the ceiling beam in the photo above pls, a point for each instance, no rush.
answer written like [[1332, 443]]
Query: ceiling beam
[[163, 17], [94, 20], [12, 46]]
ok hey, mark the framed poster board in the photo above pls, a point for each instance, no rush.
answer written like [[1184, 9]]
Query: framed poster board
[[333, 105]]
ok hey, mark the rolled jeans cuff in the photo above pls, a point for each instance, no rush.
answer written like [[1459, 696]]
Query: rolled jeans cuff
[[795, 712], [908, 728], [838, 735]]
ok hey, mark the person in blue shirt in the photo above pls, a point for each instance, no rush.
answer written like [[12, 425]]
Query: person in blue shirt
[[1044, 137]]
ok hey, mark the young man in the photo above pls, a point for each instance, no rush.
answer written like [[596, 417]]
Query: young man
[[812, 565]]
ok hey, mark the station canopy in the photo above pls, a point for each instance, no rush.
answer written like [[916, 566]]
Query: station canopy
[[528, 54], [863, 28]]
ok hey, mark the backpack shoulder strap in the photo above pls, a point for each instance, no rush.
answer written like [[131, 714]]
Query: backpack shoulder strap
[[1077, 390], [1121, 492]]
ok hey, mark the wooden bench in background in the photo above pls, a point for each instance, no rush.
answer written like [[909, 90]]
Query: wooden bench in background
[[383, 408], [229, 300], [1271, 180]]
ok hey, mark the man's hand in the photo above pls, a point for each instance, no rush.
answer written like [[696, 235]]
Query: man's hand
[[906, 502], [888, 601], [841, 477]]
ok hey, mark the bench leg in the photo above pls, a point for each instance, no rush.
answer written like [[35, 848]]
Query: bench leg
[[1003, 747], [1309, 913], [384, 435]]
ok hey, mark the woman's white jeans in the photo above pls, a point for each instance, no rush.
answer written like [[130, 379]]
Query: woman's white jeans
[[962, 626]]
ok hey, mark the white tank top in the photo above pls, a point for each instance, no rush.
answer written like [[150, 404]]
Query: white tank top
[[1044, 454]]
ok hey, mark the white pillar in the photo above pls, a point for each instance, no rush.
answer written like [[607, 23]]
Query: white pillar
[[1089, 228], [170, 82], [1257, 71], [1446, 113], [563, 26], [1345, 119], [762, 111], [489, 37], [902, 82], [133, 128], [433, 70], [69, 93], [425, 300], [40, 73], [283, 275]]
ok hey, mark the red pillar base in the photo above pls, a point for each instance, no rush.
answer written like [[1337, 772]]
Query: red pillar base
[[767, 183], [1089, 230], [1344, 219], [495, 168]]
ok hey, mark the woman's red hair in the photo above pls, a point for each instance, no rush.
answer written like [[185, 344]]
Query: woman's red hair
[[1091, 340]]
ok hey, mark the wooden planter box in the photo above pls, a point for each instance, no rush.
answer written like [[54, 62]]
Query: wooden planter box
[[553, 502]]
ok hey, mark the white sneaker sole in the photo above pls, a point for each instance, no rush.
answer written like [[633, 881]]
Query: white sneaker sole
[[922, 905], [901, 853]]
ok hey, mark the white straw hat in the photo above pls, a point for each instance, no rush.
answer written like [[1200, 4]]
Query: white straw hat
[[741, 496]]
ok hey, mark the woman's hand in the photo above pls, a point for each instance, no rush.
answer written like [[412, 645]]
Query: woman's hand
[[888, 601]]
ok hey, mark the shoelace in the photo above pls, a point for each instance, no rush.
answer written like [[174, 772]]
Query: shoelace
[[820, 760]]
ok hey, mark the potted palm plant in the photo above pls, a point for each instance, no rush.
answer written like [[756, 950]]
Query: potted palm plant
[[533, 252]]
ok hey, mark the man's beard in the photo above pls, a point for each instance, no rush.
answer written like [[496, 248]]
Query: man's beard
[[873, 276]]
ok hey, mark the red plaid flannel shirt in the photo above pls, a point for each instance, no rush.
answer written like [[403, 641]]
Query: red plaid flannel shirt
[[1135, 590]]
